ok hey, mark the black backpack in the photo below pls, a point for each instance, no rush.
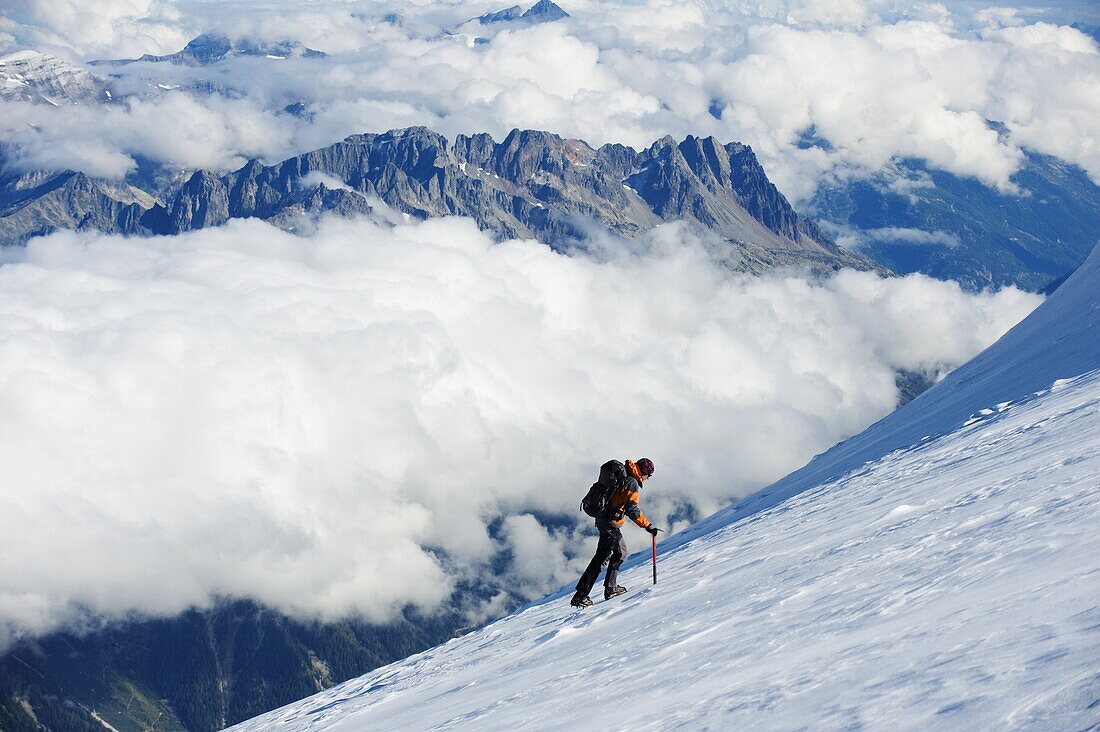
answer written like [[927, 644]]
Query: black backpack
[[612, 477]]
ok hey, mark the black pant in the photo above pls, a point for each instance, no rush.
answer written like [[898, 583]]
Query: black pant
[[610, 551]]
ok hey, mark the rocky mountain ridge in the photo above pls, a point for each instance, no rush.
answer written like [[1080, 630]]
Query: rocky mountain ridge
[[533, 184], [544, 11], [210, 48]]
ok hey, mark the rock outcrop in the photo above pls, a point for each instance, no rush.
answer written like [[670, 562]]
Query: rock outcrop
[[35, 203]]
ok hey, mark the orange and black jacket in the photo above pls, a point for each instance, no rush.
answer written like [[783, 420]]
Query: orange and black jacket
[[624, 503]]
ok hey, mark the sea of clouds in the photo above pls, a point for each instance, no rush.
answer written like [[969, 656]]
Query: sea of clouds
[[868, 80], [356, 420]]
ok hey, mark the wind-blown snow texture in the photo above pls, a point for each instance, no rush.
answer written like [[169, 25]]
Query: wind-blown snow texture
[[941, 583]]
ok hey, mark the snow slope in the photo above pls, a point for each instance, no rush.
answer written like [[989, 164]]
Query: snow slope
[[943, 583], [30, 76], [1060, 339]]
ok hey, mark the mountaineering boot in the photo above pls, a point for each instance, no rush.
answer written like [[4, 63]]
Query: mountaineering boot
[[609, 592], [580, 600]]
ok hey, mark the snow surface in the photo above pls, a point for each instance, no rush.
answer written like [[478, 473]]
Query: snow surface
[[940, 570], [37, 77]]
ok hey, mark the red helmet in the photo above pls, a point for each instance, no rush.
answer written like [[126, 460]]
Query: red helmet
[[645, 466]]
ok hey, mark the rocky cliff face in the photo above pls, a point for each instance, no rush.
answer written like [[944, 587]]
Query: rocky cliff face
[[34, 203], [723, 188], [532, 184]]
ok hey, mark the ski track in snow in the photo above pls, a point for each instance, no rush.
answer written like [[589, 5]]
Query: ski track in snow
[[952, 585]]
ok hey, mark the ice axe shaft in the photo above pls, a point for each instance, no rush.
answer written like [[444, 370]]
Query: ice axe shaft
[[654, 537]]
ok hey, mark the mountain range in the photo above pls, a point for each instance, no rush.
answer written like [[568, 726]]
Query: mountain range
[[43, 78], [908, 218], [532, 184], [211, 48], [913, 218], [544, 11]]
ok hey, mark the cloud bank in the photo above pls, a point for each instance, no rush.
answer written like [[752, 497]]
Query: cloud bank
[[357, 420], [89, 28], [819, 89]]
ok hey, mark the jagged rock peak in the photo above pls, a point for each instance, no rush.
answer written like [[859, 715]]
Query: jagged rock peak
[[524, 153], [401, 134], [662, 145], [544, 11], [206, 48], [705, 154], [500, 16], [532, 184]]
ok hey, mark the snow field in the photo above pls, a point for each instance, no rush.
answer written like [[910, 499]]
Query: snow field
[[954, 585]]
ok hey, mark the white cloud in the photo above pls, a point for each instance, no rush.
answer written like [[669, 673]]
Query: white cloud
[[330, 424], [177, 129], [831, 12], [913, 236], [91, 27], [538, 557], [851, 237], [316, 178], [998, 17]]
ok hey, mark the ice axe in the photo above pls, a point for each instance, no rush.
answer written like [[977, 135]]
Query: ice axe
[[654, 537]]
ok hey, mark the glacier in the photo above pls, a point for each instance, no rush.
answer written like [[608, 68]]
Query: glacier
[[940, 570]]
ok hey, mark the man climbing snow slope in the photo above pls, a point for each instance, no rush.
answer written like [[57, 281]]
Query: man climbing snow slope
[[611, 499]]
